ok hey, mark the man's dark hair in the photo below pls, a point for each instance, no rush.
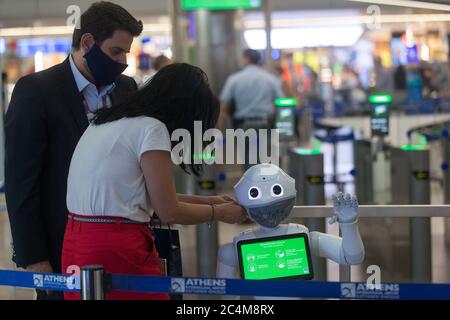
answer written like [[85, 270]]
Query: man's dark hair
[[160, 61], [252, 55], [102, 19]]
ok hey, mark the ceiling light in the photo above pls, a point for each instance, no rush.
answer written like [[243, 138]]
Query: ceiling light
[[408, 4], [68, 30]]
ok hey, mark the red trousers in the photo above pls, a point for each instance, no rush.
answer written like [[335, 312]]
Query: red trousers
[[120, 248]]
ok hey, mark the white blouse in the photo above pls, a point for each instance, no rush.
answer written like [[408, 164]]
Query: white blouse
[[105, 176]]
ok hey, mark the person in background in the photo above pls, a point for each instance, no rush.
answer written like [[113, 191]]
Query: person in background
[[121, 173], [160, 62], [384, 78], [286, 86], [48, 114], [253, 91], [400, 87], [3, 95]]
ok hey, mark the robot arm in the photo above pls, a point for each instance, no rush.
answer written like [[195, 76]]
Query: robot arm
[[227, 262], [346, 250]]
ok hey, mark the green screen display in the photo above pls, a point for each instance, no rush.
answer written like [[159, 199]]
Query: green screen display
[[379, 120], [285, 121], [220, 4], [283, 258], [286, 102]]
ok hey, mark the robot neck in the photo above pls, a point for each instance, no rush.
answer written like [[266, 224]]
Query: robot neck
[[267, 229]]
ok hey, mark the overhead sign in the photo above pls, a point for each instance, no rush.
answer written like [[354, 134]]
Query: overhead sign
[[220, 4]]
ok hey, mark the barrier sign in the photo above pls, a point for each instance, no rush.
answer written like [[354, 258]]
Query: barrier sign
[[421, 175], [237, 287]]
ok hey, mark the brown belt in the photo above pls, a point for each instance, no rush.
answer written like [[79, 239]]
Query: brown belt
[[105, 220]]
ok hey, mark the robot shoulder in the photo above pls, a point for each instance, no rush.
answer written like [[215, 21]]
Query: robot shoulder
[[244, 235], [297, 228]]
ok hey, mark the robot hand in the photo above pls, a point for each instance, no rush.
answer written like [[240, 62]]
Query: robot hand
[[345, 208]]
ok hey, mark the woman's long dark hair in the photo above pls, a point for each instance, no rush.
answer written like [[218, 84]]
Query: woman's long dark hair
[[177, 95]]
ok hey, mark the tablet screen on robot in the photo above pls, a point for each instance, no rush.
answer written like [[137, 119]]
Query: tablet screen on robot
[[280, 257]]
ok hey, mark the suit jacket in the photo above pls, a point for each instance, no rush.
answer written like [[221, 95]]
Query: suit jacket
[[43, 124]]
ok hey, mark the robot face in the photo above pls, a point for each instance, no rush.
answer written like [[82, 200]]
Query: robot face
[[272, 215], [267, 193]]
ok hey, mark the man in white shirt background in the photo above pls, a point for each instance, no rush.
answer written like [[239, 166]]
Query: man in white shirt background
[[252, 92]]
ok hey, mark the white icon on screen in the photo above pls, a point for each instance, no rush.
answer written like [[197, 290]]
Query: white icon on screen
[[279, 253]]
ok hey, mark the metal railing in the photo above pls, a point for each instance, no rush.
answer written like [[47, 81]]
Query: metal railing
[[376, 211], [419, 240]]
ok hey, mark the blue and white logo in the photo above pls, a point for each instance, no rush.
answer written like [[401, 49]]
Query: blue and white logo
[[177, 285], [57, 282], [38, 280], [73, 282], [348, 290], [370, 291]]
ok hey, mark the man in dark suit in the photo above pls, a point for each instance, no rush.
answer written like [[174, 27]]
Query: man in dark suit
[[48, 113]]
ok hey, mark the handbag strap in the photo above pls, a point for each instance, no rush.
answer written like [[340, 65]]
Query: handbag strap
[[155, 217]]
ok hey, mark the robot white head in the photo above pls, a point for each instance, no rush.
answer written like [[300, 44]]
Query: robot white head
[[267, 193]]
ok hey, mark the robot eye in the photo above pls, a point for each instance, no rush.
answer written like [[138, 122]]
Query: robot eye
[[254, 193], [277, 190]]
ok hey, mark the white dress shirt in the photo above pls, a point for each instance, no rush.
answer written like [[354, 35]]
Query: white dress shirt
[[93, 99]]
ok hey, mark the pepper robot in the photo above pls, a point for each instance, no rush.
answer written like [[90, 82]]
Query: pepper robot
[[268, 194]]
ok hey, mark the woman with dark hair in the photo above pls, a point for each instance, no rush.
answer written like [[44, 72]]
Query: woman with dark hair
[[121, 172]]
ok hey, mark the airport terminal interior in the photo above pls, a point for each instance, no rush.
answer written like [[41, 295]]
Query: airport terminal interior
[[365, 110]]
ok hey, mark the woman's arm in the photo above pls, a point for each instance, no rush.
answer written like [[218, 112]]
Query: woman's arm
[[157, 169], [204, 199]]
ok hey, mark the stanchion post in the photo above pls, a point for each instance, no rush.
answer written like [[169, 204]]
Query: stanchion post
[[410, 168], [421, 227], [306, 166], [92, 282], [207, 235], [446, 169], [362, 156]]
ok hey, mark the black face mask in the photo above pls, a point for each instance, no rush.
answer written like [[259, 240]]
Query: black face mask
[[104, 69]]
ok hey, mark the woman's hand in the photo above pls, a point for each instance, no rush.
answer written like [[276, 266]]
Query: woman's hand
[[222, 199], [230, 212]]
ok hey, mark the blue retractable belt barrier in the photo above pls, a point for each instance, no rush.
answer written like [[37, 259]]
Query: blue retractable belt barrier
[[44, 281], [211, 286]]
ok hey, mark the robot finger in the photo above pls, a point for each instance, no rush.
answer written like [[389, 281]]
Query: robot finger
[[348, 199], [339, 198], [355, 202], [339, 195], [335, 200], [337, 204]]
